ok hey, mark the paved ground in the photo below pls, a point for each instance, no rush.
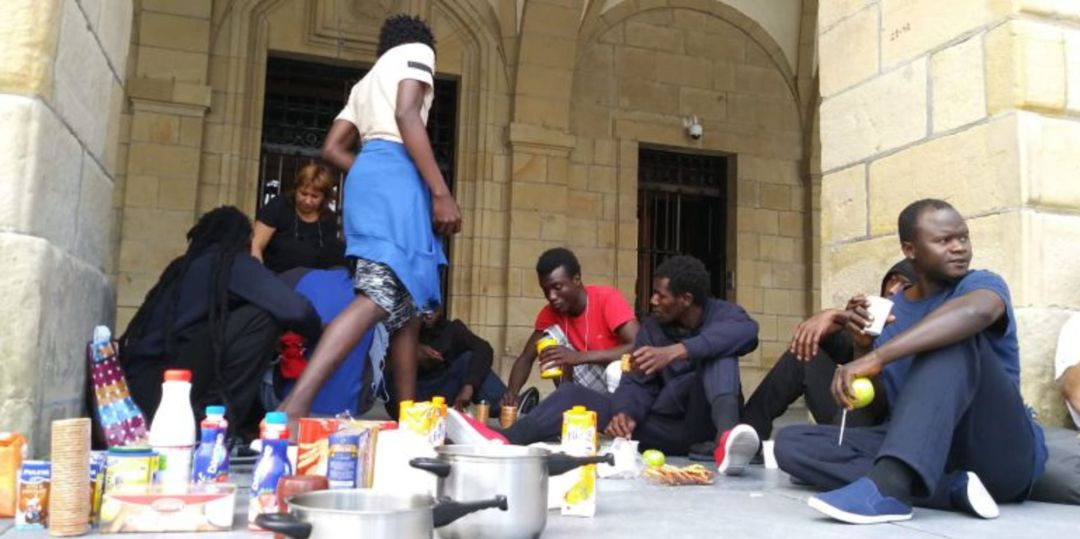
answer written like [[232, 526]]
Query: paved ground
[[762, 504]]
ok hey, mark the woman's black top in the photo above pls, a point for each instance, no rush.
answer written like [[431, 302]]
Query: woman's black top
[[299, 244]]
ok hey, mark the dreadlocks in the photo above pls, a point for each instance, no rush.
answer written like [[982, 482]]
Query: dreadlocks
[[222, 232]]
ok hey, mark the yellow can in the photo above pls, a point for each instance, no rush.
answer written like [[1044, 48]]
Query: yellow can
[[542, 344]]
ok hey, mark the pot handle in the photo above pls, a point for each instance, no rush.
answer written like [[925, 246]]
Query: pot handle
[[447, 511], [285, 524], [434, 466], [560, 463]]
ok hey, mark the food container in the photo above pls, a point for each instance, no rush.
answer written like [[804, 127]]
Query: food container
[[202, 507]]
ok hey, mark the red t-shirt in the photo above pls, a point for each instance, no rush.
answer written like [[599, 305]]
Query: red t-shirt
[[594, 328]]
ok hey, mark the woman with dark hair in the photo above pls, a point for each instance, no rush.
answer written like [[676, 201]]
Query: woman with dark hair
[[215, 311], [298, 230], [396, 201]]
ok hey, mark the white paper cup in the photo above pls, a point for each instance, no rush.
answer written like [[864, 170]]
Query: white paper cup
[[879, 310]]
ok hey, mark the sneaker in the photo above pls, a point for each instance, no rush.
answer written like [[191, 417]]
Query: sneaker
[[528, 400], [735, 449], [702, 451], [860, 503], [968, 494]]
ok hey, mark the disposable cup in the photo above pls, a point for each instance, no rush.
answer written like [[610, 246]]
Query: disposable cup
[[879, 310]]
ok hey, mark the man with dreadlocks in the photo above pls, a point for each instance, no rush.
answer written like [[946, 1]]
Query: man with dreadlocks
[[215, 311], [396, 201]]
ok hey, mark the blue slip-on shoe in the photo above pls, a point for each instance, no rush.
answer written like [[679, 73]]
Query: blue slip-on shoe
[[968, 494], [860, 503]]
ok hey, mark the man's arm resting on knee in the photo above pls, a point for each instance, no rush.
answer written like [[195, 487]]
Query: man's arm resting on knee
[[954, 321]]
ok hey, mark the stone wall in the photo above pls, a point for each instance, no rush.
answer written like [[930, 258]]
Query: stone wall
[[62, 75], [966, 101]]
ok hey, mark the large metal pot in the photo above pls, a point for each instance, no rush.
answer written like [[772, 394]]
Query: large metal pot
[[367, 514], [520, 473]]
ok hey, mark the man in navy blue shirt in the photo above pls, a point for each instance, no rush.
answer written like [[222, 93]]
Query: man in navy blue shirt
[[959, 436]]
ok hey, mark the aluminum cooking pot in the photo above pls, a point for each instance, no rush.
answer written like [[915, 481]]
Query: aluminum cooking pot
[[367, 514], [521, 473]]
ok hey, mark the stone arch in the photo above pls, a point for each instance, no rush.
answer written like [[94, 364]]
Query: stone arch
[[596, 23]]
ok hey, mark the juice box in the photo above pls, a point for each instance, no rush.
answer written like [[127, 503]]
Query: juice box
[[579, 439], [32, 510], [313, 454]]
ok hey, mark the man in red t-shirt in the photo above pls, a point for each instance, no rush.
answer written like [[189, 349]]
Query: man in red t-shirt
[[598, 323]]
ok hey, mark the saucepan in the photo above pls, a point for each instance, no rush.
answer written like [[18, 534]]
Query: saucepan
[[368, 514], [521, 473]]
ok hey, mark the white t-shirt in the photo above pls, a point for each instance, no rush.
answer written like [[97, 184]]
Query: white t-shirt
[[373, 100], [1068, 354]]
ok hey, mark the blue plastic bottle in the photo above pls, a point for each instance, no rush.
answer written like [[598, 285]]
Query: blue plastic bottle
[[212, 457], [273, 463]]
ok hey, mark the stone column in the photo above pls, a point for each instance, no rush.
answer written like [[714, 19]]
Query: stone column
[[972, 101], [62, 73]]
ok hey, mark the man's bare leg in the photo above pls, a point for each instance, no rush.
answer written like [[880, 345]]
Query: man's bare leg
[[339, 338]]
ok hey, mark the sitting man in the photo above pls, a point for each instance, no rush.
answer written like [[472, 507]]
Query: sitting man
[[215, 311], [806, 369], [454, 363], [959, 436], [1061, 482], [597, 321], [684, 385]]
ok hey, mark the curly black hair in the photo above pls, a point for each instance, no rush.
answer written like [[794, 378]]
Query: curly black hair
[[685, 274], [909, 217], [401, 29], [559, 257]]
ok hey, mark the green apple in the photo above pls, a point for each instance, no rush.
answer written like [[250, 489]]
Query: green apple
[[864, 392], [653, 458]]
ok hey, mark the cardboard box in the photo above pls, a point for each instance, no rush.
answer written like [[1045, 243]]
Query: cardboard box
[[201, 508], [314, 450]]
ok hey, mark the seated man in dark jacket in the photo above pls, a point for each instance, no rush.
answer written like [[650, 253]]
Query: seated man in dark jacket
[[684, 387], [455, 363], [217, 312]]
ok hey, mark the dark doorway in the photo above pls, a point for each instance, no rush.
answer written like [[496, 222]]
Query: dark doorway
[[682, 209], [302, 100]]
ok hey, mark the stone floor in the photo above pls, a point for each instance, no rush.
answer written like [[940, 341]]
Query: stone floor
[[764, 503]]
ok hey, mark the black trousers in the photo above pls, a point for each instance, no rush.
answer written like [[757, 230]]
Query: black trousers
[[672, 434], [957, 411], [790, 379], [250, 338]]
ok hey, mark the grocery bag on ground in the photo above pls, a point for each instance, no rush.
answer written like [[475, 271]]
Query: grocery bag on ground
[[121, 420]]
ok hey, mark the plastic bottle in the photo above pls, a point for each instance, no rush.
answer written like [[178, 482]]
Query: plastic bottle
[[172, 432], [273, 463], [542, 344], [211, 463]]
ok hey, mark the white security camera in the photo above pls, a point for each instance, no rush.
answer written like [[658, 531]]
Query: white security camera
[[693, 127]]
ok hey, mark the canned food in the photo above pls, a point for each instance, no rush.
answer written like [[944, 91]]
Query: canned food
[[130, 467]]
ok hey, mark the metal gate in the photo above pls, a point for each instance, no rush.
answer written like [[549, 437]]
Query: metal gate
[[682, 209]]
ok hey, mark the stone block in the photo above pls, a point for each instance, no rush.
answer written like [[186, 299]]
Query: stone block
[[114, 32], [1037, 330], [176, 194], [40, 168], [648, 96], [187, 8], [793, 225], [1025, 67], [649, 36], [163, 160], [1072, 58], [684, 70], [551, 20], [959, 85], [584, 227], [579, 178], [1051, 164], [597, 87], [975, 170], [849, 51], [83, 81], [543, 81], [28, 31], [634, 63], [707, 105], [605, 234], [166, 64], [851, 268], [884, 113], [92, 227], [775, 197], [628, 234], [604, 152], [777, 249], [41, 344], [1050, 266], [602, 179], [763, 112], [155, 127], [560, 53], [831, 12], [844, 216], [536, 196], [552, 113], [912, 27], [761, 81], [726, 46]]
